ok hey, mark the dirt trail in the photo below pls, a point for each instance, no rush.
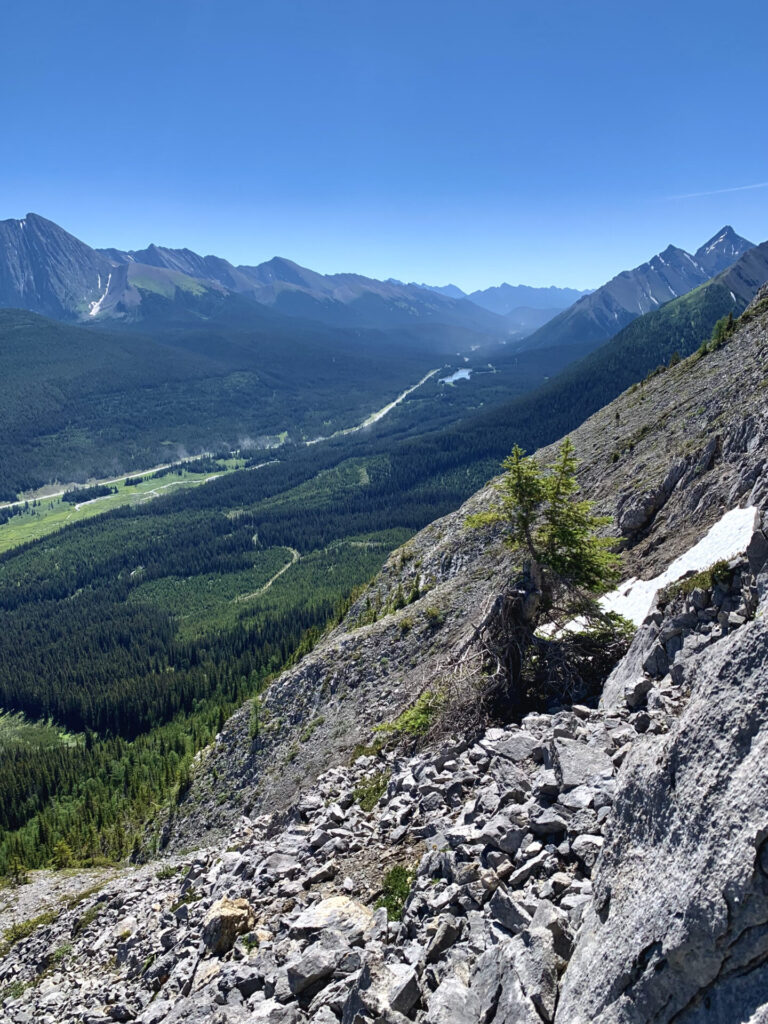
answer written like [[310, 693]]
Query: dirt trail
[[295, 556]]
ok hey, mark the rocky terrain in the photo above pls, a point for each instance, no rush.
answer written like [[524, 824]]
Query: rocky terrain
[[585, 864], [665, 461], [538, 873]]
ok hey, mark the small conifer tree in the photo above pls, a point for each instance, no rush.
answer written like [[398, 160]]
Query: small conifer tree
[[555, 531], [566, 565]]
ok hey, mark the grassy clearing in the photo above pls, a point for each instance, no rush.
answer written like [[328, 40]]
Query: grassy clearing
[[47, 515], [16, 730]]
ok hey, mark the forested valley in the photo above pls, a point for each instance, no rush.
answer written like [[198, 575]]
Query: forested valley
[[128, 639]]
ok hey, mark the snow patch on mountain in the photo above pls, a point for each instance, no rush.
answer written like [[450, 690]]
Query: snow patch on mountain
[[726, 539]]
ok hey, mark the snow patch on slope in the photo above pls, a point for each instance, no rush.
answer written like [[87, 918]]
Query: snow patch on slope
[[96, 306], [726, 539]]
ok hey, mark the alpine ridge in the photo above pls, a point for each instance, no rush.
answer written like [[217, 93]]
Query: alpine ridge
[[46, 270], [600, 315]]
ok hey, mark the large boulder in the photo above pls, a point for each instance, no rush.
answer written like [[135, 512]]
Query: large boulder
[[678, 930], [383, 992], [340, 913], [224, 922]]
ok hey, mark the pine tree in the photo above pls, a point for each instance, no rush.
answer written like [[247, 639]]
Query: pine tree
[[550, 635], [555, 532]]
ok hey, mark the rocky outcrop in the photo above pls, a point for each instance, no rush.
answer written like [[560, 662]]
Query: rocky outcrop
[[396, 638], [678, 928], [684, 620], [224, 922], [495, 841]]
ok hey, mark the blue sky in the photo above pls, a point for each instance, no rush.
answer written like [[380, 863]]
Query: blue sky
[[471, 142]]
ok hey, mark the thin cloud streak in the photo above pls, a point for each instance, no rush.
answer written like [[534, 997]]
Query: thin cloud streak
[[721, 191]]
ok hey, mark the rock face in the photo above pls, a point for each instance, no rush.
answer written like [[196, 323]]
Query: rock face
[[602, 864], [678, 928], [45, 269]]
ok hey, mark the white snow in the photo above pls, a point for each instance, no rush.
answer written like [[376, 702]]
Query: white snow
[[733, 296], [715, 244], [727, 538], [462, 374], [96, 306]]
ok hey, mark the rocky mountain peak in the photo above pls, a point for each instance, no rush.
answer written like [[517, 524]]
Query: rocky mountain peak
[[721, 250]]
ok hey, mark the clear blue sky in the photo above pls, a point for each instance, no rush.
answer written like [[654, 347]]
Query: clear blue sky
[[430, 140]]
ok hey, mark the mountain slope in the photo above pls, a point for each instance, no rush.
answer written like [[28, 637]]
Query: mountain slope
[[78, 402], [351, 299], [600, 864], [45, 269], [667, 424], [451, 290], [601, 314], [336, 299]]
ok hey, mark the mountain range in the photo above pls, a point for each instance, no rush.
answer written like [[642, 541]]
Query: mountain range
[[596, 317], [46, 270], [349, 839], [506, 298]]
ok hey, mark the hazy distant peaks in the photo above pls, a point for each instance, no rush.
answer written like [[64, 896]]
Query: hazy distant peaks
[[451, 290], [45, 269]]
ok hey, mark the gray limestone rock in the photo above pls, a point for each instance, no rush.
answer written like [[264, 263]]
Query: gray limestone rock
[[679, 925], [629, 673], [340, 913], [578, 764], [538, 966], [317, 962], [508, 912], [453, 1003], [376, 991]]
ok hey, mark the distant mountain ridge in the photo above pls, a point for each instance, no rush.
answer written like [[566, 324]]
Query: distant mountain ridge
[[505, 298], [525, 308], [600, 315], [46, 270]]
